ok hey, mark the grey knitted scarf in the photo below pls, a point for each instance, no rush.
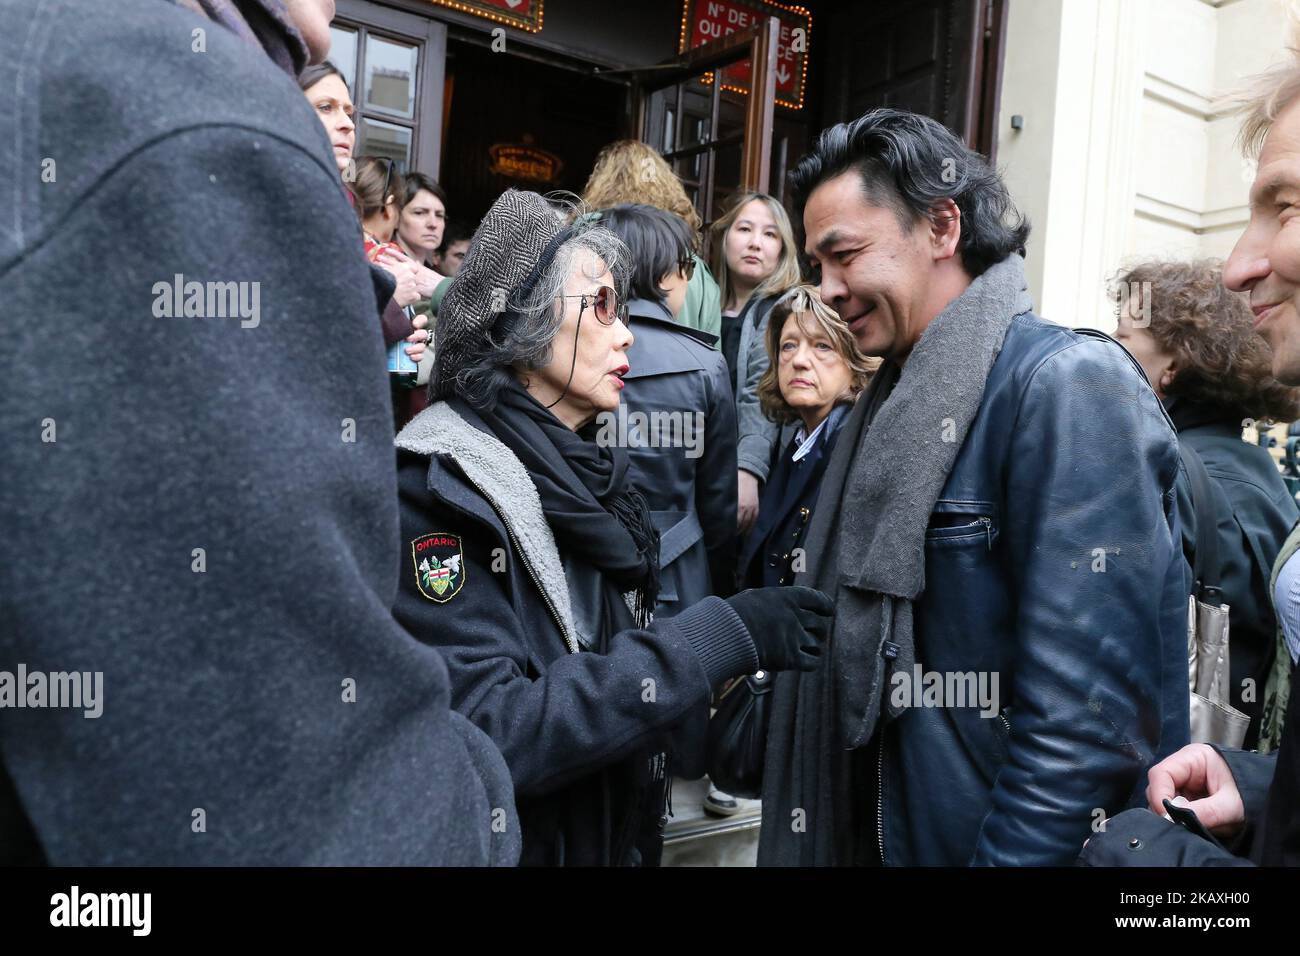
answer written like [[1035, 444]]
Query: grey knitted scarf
[[866, 547], [900, 469]]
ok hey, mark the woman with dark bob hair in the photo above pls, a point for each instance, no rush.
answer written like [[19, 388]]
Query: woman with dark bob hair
[[1196, 342], [814, 375], [531, 561]]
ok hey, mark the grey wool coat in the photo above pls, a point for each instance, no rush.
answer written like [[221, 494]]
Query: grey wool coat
[[757, 435], [211, 523], [678, 422]]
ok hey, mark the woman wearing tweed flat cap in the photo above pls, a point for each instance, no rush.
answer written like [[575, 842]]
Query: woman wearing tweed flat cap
[[529, 557]]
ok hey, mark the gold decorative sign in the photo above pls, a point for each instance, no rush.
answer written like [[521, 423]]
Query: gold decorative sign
[[525, 162], [521, 14]]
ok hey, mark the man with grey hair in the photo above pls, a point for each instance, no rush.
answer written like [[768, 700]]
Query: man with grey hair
[[1238, 807]]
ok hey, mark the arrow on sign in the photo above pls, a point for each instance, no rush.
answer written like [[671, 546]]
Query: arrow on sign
[[782, 74]]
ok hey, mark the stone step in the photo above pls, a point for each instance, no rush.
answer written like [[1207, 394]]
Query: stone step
[[695, 838]]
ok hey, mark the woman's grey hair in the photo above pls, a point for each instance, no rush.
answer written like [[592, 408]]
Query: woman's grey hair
[[524, 336]]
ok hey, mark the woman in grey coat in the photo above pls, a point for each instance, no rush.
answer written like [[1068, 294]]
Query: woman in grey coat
[[677, 419], [755, 261]]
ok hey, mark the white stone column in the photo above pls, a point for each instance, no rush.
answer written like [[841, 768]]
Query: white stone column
[[1126, 152]]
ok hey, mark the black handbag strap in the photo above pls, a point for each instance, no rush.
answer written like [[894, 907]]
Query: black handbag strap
[[1205, 565]]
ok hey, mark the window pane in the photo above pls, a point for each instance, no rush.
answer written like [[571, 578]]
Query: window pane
[[390, 76], [731, 114], [376, 138], [343, 54], [688, 169], [697, 101]]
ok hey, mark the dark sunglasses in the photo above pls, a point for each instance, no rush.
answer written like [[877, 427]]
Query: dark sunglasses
[[604, 303]]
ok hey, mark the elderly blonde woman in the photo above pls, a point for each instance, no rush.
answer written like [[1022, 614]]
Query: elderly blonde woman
[[530, 560], [815, 373]]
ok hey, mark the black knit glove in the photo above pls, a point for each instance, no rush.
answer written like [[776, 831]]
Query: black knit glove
[[786, 624]]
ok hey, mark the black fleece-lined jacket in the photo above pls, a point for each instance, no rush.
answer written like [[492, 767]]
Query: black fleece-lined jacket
[[583, 708]]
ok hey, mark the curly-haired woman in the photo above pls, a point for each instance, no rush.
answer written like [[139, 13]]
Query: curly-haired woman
[[1196, 342], [629, 171]]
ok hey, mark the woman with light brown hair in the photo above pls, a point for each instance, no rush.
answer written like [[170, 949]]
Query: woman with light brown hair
[[755, 260], [1195, 339], [629, 171], [815, 373]]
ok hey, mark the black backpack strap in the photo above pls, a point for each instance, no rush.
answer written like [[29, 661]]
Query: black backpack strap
[[1205, 568]]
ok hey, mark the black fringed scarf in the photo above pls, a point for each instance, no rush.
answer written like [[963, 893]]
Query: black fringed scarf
[[594, 510]]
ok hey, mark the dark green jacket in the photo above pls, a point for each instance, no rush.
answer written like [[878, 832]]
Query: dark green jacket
[[1255, 513]]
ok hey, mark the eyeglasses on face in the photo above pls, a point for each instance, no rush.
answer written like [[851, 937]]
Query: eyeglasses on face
[[604, 303]]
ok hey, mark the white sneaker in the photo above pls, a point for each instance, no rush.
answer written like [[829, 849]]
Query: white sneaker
[[721, 804]]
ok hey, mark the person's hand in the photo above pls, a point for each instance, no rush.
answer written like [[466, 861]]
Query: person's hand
[[419, 340], [786, 624], [407, 290], [426, 279], [1198, 778], [747, 500], [419, 321]]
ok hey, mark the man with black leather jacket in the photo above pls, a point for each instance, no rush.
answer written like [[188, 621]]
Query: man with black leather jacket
[[997, 526]]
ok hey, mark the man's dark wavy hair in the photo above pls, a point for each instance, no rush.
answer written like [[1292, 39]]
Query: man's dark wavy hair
[[907, 163]]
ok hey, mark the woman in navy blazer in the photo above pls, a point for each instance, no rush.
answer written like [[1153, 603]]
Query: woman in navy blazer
[[815, 374]]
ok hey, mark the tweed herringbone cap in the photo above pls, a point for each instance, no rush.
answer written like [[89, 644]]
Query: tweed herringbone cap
[[504, 250]]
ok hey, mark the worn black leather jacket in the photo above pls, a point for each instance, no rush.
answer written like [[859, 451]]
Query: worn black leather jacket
[[1053, 561]]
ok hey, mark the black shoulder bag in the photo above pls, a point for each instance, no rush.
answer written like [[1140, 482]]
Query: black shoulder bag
[[737, 737]]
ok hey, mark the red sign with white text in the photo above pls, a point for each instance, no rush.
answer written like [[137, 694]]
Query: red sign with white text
[[704, 21]]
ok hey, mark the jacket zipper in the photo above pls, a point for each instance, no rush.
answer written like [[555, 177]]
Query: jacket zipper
[[568, 641], [880, 794], [981, 522]]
